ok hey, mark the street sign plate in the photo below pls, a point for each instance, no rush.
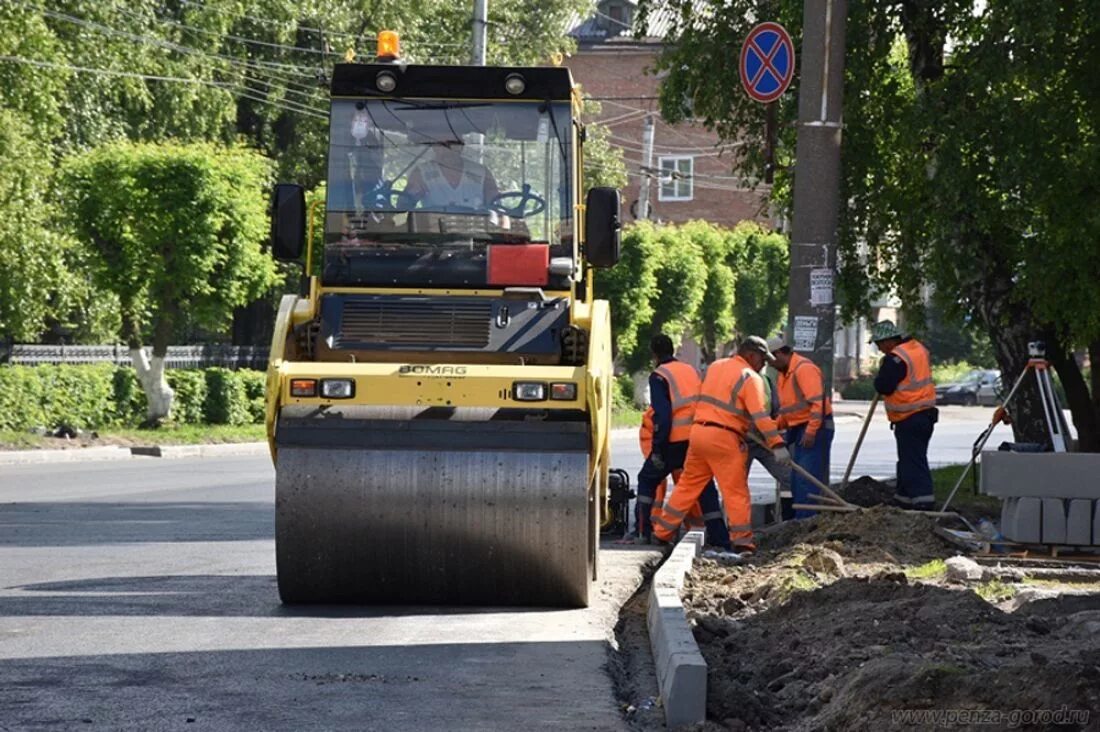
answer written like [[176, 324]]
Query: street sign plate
[[767, 62]]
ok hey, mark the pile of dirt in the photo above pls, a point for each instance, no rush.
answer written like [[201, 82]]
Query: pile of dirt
[[880, 534], [857, 653], [867, 491], [828, 627]]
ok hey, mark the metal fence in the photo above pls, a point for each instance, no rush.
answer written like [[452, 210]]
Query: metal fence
[[179, 357]]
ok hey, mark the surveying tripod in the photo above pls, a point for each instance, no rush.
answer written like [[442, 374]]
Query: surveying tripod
[[1057, 427]]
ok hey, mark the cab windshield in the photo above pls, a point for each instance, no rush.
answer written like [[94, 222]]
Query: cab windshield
[[425, 192]]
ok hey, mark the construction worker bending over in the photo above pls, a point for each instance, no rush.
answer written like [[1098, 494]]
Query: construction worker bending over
[[764, 456], [905, 381], [806, 413], [673, 395], [732, 401], [697, 517]]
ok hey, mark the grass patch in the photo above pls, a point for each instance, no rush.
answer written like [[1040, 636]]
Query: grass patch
[[626, 417], [995, 591], [929, 570], [193, 434], [182, 434], [944, 479]]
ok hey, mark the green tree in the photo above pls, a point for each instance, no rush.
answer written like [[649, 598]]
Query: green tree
[[760, 259], [968, 166], [603, 162], [713, 324], [33, 258], [631, 287], [176, 233]]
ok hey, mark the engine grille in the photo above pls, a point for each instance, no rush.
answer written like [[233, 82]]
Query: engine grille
[[412, 322]]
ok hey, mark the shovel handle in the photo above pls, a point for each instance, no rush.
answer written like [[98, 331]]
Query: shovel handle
[[859, 442]]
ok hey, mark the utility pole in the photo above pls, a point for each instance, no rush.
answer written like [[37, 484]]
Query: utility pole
[[817, 183], [647, 169], [480, 28]]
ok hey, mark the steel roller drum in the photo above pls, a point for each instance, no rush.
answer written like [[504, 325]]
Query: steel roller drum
[[465, 520]]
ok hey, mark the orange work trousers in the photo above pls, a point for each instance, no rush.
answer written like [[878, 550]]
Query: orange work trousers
[[712, 453], [694, 518]]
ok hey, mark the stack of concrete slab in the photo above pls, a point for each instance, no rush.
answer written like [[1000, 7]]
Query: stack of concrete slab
[[1048, 497]]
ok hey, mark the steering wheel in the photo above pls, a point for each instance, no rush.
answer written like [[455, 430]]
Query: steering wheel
[[385, 197], [527, 203]]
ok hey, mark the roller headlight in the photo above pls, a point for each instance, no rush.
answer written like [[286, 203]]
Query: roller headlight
[[338, 388], [529, 391]]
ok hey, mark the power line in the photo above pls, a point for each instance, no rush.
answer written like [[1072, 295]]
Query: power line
[[307, 29], [261, 76], [285, 105], [241, 39], [159, 42]]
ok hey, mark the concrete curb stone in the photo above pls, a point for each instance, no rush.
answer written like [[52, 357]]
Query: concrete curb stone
[[115, 452], [681, 669]]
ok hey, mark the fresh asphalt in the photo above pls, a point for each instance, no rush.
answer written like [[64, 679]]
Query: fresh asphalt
[[141, 595]]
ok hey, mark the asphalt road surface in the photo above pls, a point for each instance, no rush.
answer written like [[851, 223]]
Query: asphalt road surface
[[952, 441], [141, 595]]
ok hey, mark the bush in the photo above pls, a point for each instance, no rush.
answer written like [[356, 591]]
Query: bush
[[255, 388], [622, 397], [49, 396], [946, 373], [188, 404], [860, 390], [226, 398], [130, 401], [100, 395]]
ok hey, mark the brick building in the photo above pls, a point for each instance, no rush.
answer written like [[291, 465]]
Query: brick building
[[691, 174]]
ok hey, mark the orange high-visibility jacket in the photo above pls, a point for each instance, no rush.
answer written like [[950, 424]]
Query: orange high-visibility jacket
[[916, 392], [645, 432], [733, 396], [683, 388], [802, 397]]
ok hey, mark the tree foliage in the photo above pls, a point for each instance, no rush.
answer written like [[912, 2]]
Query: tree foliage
[[695, 278], [760, 259], [970, 155], [78, 74], [174, 231]]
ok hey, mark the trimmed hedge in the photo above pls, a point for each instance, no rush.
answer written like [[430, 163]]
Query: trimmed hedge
[[101, 395], [862, 389]]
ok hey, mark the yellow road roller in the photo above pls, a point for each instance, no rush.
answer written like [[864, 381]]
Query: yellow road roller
[[438, 401]]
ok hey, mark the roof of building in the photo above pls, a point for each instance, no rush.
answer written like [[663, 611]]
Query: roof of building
[[603, 27]]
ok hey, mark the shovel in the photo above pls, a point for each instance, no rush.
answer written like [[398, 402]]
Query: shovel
[[859, 442]]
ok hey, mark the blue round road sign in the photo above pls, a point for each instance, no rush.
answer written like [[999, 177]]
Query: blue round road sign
[[767, 62]]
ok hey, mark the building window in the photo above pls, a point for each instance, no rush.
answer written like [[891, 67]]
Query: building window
[[618, 16], [676, 176]]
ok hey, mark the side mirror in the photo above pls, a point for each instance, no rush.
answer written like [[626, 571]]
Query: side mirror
[[602, 227], [288, 222]]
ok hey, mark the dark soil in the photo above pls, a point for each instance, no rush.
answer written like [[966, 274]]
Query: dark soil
[[822, 630], [867, 491], [849, 655], [630, 665]]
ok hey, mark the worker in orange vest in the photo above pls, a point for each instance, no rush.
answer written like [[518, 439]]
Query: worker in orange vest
[[905, 382], [806, 413], [673, 394], [697, 518], [731, 401]]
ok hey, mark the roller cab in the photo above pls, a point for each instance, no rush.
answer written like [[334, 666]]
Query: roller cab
[[438, 399]]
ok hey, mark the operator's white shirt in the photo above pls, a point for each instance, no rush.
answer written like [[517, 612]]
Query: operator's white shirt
[[439, 193]]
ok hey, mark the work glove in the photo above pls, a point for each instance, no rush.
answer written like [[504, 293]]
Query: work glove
[[808, 439], [656, 460], [782, 455]]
